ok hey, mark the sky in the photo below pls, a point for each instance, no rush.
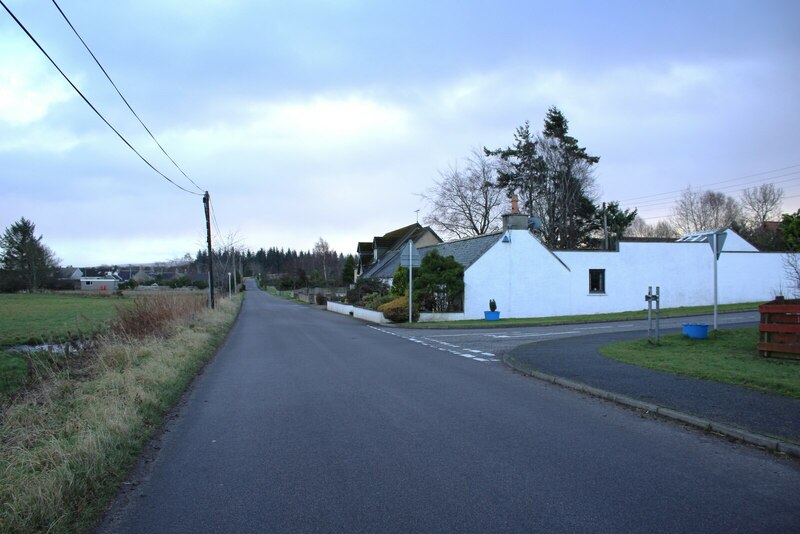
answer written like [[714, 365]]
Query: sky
[[329, 118]]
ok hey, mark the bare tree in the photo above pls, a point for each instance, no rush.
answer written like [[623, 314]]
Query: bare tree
[[322, 251], [709, 210], [464, 202], [761, 204], [640, 228]]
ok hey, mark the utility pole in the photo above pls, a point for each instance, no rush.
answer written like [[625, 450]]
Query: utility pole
[[605, 226], [207, 205]]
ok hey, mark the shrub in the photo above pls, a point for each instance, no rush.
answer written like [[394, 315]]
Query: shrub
[[321, 299], [154, 315], [373, 301], [397, 310], [363, 288]]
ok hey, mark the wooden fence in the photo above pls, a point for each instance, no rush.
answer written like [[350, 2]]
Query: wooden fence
[[779, 330]]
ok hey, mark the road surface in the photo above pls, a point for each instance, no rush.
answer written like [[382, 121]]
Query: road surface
[[310, 421]]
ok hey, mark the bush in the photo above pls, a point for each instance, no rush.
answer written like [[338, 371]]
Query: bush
[[373, 301], [154, 315], [321, 299], [397, 310], [363, 288]]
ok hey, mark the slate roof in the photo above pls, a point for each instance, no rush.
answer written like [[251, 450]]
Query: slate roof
[[464, 251]]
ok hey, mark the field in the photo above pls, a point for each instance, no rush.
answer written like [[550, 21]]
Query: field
[[42, 317], [728, 356]]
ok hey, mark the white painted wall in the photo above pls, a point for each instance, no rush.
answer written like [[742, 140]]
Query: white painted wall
[[527, 280]]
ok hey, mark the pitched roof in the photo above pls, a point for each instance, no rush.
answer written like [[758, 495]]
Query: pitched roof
[[464, 251]]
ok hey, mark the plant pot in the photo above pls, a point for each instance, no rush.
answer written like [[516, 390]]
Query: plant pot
[[491, 315], [695, 331]]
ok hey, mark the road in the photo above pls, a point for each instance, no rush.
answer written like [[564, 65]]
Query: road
[[309, 421], [493, 343]]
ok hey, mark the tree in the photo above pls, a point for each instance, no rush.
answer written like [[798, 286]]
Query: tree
[[761, 204], [348, 270], [661, 229], [27, 262], [465, 202], [553, 177], [322, 251], [616, 220], [709, 210], [790, 231], [440, 282]]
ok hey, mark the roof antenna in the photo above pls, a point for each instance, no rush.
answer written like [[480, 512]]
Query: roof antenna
[[417, 212]]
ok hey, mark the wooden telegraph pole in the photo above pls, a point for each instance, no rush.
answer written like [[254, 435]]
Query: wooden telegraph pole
[[207, 205]]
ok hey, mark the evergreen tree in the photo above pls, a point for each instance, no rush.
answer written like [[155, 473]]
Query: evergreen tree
[[552, 176], [27, 262]]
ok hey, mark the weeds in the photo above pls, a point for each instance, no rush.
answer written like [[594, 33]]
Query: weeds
[[67, 445]]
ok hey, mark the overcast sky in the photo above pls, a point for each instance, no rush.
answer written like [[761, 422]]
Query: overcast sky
[[328, 118]]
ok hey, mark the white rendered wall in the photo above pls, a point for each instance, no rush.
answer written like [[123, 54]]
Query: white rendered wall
[[527, 280]]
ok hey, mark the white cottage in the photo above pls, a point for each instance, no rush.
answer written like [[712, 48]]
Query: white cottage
[[526, 279]]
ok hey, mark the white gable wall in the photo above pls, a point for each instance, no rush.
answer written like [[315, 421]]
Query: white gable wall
[[527, 280], [522, 276]]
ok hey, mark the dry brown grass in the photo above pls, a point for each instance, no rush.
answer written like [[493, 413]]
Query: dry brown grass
[[155, 315], [66, 446]]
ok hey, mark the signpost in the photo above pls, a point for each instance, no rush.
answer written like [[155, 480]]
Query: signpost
[[410, 259], [717, 241]]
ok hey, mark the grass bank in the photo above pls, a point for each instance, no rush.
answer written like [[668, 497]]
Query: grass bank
[[596, 318], [728, 356], [68, 443]]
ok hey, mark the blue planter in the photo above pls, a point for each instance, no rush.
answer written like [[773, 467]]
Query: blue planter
[[491, 315], [695, 331]]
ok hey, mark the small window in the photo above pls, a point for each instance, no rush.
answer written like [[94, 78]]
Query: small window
[[597, 280], [88, 283]]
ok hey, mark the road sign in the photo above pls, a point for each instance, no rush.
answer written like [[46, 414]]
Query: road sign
[[410, 256]]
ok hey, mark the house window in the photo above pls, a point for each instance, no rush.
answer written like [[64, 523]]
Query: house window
[[597, 280]]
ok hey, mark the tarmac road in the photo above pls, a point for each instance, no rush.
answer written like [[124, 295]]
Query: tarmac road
[[496, 342], [309, 421]]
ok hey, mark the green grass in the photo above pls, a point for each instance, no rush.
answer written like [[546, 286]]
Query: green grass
[[37, 317], [67, 445], [596, 318], [728, 356], [13, 373]]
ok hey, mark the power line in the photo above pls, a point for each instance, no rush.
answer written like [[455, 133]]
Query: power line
[[736, 189], [122, 97], [716, 183], [32, 38]]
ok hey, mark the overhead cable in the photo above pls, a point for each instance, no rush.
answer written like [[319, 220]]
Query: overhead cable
[[32, 38], [122, 97]]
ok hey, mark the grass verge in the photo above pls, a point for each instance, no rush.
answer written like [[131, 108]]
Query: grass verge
[[68, 444], [728, 356], [596, 318]]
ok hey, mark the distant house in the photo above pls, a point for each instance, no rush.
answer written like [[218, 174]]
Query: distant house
[[142, 277], [70, 273], [373, 255], [100, 284], [527, 279]]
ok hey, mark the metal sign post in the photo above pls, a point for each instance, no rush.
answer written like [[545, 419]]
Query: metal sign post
[[651, 298], [410, 260], [410, 280], [658, 315]]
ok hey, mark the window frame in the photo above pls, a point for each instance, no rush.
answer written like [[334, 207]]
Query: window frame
[[602, 281]]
